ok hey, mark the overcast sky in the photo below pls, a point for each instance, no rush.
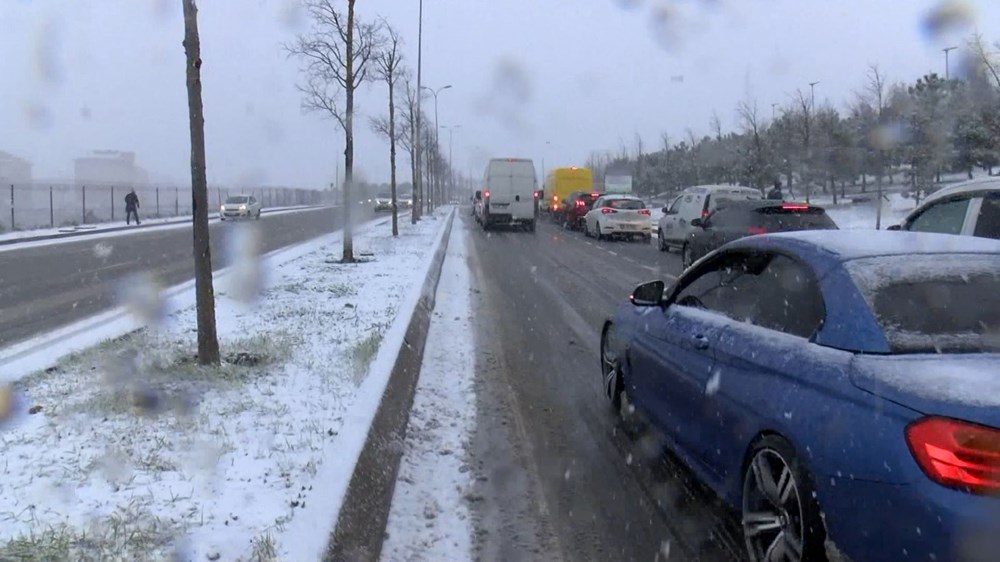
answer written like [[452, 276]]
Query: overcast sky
[[545, 79]]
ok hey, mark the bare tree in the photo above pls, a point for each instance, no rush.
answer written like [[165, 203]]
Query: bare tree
[[638, 183], [715, 125], [751, 124], [208, 340], [335, 53], [388, 67], [985, 56], [805, 106], [876, 94]]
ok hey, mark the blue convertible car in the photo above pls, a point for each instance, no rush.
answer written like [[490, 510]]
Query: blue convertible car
[[840, 390]]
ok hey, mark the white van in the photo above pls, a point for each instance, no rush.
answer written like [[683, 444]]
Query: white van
[[696, 203], [510, 194]]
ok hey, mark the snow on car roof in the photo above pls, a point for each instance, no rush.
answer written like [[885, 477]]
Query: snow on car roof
[[982, 184], [854, 244]]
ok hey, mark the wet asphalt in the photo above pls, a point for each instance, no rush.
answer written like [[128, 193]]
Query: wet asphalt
[[558, 476]]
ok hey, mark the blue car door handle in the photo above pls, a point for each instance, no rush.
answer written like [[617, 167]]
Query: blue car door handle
[[700, 341]]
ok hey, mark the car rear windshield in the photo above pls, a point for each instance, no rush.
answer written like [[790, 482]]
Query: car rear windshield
[[934, 303], [237, 199], [626, 204], [789, 218]]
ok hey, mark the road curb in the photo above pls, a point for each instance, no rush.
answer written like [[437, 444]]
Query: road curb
[[360, 526], [98, 230]]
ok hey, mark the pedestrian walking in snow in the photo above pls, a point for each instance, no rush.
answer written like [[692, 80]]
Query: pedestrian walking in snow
[[132, 207]]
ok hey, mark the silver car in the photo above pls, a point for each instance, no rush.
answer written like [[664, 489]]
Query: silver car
[[240, 207], [970, 208], [697, 202]]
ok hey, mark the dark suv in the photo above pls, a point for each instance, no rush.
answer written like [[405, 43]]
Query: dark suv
[[574, 208], [746, 218]]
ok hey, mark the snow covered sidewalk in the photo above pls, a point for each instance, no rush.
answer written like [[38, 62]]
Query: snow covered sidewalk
[[430, 518], [133, 451]]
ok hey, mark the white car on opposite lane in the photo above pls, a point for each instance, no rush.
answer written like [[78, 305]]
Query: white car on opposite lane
[[240, 207], [622, 216]]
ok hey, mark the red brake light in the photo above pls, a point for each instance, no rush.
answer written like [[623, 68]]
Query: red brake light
[[643, 211], [756, 230], [580, 203], [555, 198], [536, 195], [608, 210], [704, 213], [595, 195], [486, 193], [957, 454], [794, 207]]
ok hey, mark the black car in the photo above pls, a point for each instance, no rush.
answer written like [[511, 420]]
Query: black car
[[746, 218], [574, 208]]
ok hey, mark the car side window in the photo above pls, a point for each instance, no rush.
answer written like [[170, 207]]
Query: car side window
[[788, 298], [946, 217], [599, 203], [767, 290], [676, 205], [988, 221]]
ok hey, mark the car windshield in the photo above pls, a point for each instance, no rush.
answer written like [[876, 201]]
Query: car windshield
[[933, 303], [626, 204], [222, 338]]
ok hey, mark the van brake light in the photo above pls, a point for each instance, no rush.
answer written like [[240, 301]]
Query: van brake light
[[608, 210]]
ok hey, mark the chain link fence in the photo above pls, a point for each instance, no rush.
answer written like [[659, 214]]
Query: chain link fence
[[36, 205]]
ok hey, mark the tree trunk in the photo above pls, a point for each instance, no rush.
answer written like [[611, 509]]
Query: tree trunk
[[864, 183], [348, 254], [208, 341], [878, 203], [833, 188], [392, 157]]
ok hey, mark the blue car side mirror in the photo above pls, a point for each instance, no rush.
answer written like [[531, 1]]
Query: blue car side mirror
[[648, 294]]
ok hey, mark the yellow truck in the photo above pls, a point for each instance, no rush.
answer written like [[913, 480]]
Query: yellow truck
[[560, 182]]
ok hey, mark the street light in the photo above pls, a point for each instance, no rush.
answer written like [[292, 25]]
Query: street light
[[436, 128], [451, 167], [418, 189], [947, 73], [812, 94]]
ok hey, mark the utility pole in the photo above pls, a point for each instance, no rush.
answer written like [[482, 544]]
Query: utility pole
[[451, 166], [947, 70]]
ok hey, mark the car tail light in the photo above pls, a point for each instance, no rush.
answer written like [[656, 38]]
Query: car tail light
[[756, 230], [704, 213], [957, 454], [536, 195], [555, 198], [486, 194], [608, 211], [580, 204], [643, 211]]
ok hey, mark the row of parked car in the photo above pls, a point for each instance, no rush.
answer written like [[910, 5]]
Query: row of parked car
[[838, 390]]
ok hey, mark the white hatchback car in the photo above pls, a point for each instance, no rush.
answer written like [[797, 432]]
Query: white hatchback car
[[619, 215], [240, 207]]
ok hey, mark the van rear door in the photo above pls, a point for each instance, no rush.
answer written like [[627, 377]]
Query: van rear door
[[511, 184]]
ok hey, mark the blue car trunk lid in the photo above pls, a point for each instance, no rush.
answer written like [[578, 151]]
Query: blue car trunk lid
[[961, 386]]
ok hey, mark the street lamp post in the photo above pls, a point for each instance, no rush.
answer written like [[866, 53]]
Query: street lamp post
[[437, 130], [773, 105], [451, 168], [947, 70], [418, 189], [812, 94]]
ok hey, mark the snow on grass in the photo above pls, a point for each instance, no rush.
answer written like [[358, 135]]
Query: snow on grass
[[430, 518], [138, 452]]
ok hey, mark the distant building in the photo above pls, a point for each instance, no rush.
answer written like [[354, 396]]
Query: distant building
[[109, 167], [14, 169]]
